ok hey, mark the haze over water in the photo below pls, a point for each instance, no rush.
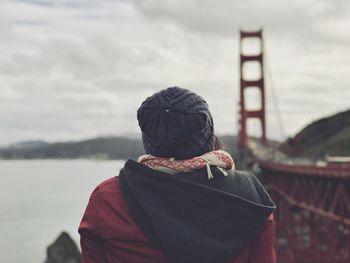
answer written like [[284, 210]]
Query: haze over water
[[41, 198]]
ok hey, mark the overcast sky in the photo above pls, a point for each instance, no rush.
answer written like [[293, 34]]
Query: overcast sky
[[74, 69]]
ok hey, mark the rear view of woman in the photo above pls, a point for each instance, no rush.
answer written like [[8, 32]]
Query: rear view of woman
[[181, 202]]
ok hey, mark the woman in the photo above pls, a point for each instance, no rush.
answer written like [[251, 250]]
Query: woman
[[182, 201]]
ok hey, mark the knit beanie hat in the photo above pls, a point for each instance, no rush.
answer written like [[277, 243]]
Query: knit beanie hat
[[177, 123]]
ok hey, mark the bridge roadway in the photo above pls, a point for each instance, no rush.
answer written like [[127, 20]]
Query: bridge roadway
[[327, 171]]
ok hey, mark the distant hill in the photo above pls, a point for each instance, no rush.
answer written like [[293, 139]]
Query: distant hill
[[327, 136], [96, 148], [28, 144]]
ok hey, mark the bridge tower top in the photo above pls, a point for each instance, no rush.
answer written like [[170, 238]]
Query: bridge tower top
[[245, 84]]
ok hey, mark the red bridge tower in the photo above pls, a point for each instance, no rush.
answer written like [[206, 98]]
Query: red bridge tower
[[245, 84]]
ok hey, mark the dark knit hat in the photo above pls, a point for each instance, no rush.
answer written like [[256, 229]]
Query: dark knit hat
[[177, 123]]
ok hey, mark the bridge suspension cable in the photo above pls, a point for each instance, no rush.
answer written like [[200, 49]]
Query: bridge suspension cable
[[274, 96]]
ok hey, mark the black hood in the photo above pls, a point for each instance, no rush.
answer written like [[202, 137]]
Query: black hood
[[193, 219]]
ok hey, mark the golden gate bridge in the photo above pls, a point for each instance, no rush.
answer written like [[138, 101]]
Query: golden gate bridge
[[313, 199]]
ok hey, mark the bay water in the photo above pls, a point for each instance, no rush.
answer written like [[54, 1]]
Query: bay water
[[41, 198]]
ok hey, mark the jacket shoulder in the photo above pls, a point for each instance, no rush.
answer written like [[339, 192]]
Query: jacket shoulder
[[106, 187], [109, 211]]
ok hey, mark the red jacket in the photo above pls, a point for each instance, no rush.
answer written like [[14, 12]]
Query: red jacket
[[110, 235]]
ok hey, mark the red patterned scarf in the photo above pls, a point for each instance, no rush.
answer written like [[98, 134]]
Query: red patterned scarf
[[221, 159]]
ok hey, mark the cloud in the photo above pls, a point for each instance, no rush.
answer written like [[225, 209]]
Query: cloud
[[284, 19], [75, 69]]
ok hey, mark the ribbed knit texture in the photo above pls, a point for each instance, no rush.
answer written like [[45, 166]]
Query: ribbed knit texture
[[177, 123]]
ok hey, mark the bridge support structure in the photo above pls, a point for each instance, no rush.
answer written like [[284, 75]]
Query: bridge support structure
[[245, 84], [313, 211]]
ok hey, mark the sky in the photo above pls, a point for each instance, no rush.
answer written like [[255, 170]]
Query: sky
[[76, 69]]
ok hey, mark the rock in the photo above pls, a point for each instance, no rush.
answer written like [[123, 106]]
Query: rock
[[63, 250]]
